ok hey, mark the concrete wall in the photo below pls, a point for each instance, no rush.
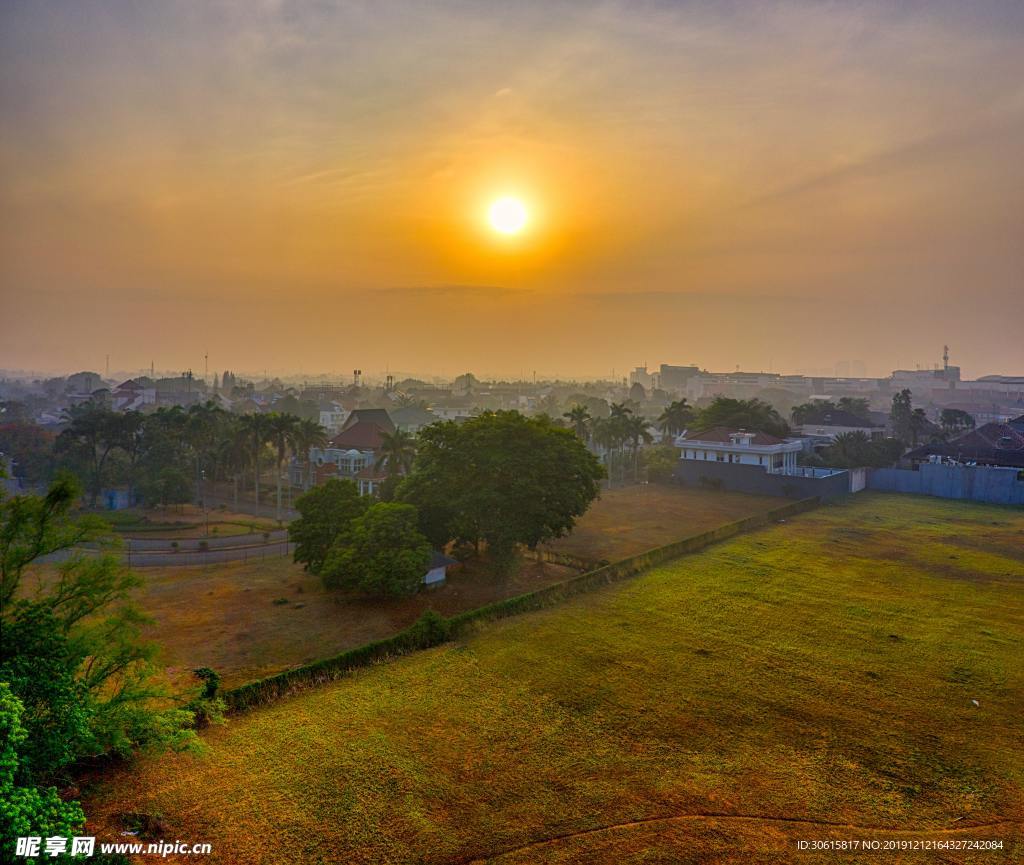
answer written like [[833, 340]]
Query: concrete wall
[[754, 479], [1000, 486]]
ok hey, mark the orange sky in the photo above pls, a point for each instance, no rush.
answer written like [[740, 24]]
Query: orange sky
[[299, 186]]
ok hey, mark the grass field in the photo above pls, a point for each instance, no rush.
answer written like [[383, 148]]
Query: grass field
[[813, 680], [630, 520], [184, 521], [225, 616], [250, 619]]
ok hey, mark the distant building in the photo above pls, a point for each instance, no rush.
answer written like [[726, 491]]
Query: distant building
[[412, 418]]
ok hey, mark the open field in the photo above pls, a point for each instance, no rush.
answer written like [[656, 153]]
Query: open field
[[812, 680], [224, 616], [629, 520]]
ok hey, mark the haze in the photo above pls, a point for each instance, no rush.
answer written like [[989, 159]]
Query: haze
[[304, 185]]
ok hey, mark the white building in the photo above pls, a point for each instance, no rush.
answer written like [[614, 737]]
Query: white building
[[719, 444]]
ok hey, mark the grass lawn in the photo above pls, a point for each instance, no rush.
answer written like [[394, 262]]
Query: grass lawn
[[630, 520], [812, 680]]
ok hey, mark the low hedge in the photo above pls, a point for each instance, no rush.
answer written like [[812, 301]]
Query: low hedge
[[432, 629]]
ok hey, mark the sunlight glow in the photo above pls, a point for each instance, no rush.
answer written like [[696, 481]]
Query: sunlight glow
[[507, 215]]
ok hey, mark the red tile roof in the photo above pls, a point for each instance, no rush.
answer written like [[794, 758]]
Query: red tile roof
[[360, 436], [723, 435]]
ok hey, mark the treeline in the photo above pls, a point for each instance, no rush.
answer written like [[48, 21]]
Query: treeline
[[162, 457]]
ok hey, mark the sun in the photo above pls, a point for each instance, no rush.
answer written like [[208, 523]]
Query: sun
[[507, 215]]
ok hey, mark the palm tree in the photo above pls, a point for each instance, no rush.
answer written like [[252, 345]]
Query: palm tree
[[308, 435], [203, 428], [850, 449], [619, 410], [580, 419], [636, 431], [281, 430], [397, 450], [233, 450], [255, 430], [676, 417]]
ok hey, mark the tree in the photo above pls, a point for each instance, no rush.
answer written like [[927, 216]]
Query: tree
[[308, 435], [281, 430], [500, 478], [661, 462], [919, 424], [807, 411], [325, 512], [87, 606], [901, 415], [30, 447], [579, 417], [954, 421], [636, 429], [676, 417], [384, 554], [255, 431], [850, 449], [749, 414], [93, 432], [858, 406], [397, 450], [26, 809]]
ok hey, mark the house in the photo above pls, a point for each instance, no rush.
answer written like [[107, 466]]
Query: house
[[992, 444], [437, 570], [352, 453], [131, 395], [743, 447], [755, 462], [332, 416]]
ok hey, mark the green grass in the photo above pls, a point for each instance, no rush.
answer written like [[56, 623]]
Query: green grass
[[822, 670]]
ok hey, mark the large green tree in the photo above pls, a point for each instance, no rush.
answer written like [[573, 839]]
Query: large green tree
[[383, 554], [325, 512], [500, 478]]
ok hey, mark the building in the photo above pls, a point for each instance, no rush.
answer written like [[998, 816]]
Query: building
[[740, 447], [332, 416], [756, 462], [437, 571], [412, 418], [348, 453], [992, 444]]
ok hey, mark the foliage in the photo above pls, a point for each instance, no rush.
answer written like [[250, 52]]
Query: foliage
[[325, 512], [502, 479], [80, 665], [397, 450], [676, 417], [579, 418], [955, 421], [901, 415], [661, 462], [749, 414], [383, 553], [30, 447], [26, 809]]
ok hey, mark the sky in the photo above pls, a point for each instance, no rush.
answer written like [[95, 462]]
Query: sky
[[303, 186]]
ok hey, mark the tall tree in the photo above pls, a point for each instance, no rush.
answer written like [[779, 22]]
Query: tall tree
[[325, 513], [955, 421], [255, 430], [901, 415], [282, 429], [92, 434], [308, 435], [636, 429]]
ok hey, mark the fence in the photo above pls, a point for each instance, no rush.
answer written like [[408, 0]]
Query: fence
[[187, 556], [438, 630], [990, 484]]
